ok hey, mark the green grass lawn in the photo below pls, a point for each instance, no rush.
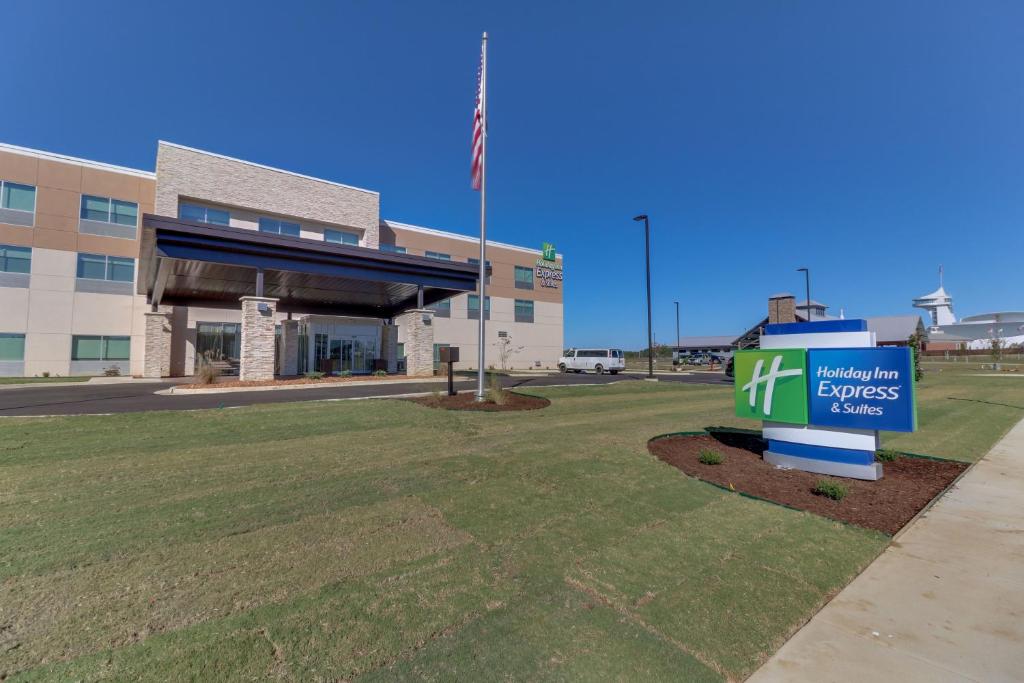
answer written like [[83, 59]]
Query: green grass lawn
[[41, 380], [382, 539]]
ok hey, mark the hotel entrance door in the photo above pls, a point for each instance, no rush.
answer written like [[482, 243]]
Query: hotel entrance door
[[341, 354]]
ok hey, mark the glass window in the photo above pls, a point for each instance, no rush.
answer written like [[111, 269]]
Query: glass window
[[393, 248], [203, 214], [439, 256], [15, 259], [116, 348], [442, 309], [341, 237], [100, 267], [120, 269], [12, 346], [97, 347], [524, 311], [108, 210], [92, 266], [85, 347], [279, 227], [473, 307], [524, 277], [400, 349], [18, 197]]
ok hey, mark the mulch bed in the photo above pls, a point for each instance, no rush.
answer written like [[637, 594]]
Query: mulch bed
[[467, 401], [908, 484], [222, 383]]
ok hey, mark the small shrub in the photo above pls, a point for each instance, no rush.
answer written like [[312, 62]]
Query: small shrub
[[112, 371], [830, 489], [496, 394], [315, 374], [436, 397], [345, 373], [206, 373], [887, 455], [709, 457], [46, 373], [380, 373]]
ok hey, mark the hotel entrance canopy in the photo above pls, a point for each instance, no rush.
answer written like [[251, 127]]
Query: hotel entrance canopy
[[198, 264]]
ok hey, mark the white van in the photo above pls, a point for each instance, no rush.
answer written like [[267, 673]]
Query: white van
[[597, 360]]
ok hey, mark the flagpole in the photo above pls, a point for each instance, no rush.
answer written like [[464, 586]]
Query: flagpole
[[481, 349]]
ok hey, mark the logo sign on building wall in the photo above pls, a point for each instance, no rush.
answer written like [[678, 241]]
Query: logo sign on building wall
[[868, 388], [548, 271], [772, 385]]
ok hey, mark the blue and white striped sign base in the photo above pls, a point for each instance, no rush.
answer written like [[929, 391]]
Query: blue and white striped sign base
[[835, 451]]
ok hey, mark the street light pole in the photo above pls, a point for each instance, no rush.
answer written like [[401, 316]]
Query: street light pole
[[677, 327], [807, 282], [650, 337]]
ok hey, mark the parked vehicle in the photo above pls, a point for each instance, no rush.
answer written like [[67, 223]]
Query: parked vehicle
[[596, 360], [730, 367]]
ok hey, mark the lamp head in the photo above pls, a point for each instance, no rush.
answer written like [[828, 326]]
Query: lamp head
[[641, 217], [802, 270]]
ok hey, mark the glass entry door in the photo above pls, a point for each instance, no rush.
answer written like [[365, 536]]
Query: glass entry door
[[341, 355], [218, 343]]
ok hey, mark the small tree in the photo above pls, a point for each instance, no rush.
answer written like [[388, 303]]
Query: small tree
[[506, 350], [998, 346], [916, 345]]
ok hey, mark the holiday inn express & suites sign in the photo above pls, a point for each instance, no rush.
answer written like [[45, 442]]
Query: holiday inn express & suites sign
[[858, 388], [823, 391]]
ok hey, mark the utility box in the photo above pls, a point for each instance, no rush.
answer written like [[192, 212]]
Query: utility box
[[449, 354]]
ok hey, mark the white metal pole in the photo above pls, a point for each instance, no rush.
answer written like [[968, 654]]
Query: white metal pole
[[481, 349]]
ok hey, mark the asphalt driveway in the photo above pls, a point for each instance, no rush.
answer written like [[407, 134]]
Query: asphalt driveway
[[98, 399]]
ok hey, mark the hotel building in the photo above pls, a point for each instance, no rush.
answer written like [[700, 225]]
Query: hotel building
[[253, 269]]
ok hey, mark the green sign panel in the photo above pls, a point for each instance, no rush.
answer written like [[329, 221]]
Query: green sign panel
[[549, 251], [771, 384]]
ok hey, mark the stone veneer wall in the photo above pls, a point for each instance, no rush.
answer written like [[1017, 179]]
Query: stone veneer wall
[[257, 361], [183, 172], [419, 341], [782, 309], [289, 347], [157, 360], [389, 346]]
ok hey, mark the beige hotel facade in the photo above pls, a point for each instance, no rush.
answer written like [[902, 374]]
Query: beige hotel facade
[[255, 270]]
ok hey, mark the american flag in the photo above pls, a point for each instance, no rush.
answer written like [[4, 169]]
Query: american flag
[[477, 168]]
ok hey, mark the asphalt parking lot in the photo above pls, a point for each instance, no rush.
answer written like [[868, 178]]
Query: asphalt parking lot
[[98, 399]]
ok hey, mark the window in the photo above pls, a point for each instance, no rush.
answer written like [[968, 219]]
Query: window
[[15, 259], [437, 355], [203, 214], [473, 307], [400, 349], [96, 347], [524, 311], [105, 210], [111, 268], [439, 256], [341, 237], [12, 347], [17, 197], [476, 262], [279, 227], [524, 277], [392, 248], [442, 309]]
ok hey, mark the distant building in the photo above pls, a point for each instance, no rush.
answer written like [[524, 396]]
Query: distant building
[[974, 331], [890, 330]]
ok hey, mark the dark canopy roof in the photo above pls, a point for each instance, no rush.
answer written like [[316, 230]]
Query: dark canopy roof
[[200, 264]]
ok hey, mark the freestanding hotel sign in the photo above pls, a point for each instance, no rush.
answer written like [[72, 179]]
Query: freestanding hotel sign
[[824, 391]]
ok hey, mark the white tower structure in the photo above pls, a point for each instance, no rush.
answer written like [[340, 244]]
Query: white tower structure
[[938, 304]]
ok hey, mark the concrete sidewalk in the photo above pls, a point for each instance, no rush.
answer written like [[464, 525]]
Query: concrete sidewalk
[[945, 602]]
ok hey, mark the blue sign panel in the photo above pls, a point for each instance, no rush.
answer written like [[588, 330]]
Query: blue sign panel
[[869, 388]]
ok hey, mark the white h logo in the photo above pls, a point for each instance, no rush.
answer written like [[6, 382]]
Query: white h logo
[[769, 379]]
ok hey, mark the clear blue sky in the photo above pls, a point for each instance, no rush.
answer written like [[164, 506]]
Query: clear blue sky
[[870, 141]]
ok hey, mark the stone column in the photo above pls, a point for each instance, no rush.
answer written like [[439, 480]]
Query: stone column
[[419, 341], [289, 347], [157, 361], [389, 346], [257, 362]]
